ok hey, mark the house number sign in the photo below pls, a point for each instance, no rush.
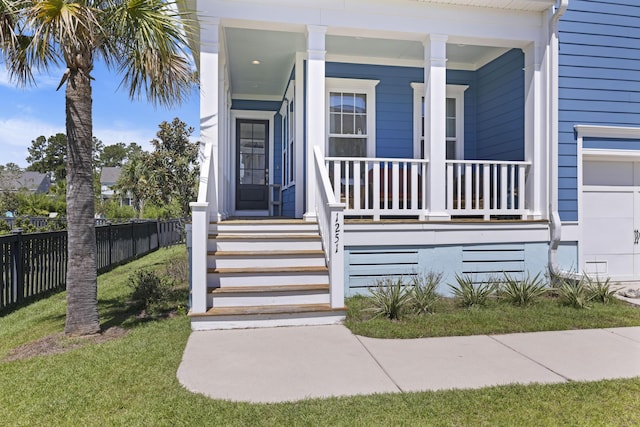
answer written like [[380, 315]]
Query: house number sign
[[636, 237], [337, 233]]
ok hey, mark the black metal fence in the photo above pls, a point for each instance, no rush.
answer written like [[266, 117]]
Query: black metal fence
[[34, 264]]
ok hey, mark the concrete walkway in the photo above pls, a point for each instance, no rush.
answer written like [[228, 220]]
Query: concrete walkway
[[288, 364]]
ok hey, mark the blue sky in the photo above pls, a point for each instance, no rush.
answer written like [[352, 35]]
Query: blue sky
[[28, 113]]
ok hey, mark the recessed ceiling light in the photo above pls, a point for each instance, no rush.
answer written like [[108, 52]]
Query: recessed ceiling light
[[256, 62]]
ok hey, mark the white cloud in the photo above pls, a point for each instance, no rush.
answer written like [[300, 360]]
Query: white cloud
[[42, 80], [16, 135]]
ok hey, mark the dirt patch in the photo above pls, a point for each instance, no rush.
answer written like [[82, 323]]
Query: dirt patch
[[60, 343]]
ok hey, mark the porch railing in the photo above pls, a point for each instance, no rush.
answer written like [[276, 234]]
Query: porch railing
[[375, 187], [330, 217], [486, 188], [379, 187]]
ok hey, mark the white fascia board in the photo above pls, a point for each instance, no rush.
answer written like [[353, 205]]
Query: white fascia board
[[593, 131], [406, 19]]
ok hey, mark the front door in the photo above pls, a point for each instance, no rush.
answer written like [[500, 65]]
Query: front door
[[252, 177]]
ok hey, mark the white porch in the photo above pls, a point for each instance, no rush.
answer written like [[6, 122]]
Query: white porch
[[242, 45]]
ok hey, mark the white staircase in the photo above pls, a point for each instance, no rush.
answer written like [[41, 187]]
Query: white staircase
[[264, 273]]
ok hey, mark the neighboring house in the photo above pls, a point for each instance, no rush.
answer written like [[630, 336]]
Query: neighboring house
[[108, 177], [33, 182], [458, 136]]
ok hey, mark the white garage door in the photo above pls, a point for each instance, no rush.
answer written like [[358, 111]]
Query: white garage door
[[611, 219]]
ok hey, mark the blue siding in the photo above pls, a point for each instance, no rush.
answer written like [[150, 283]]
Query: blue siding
[[500, 106], [394, 103], [289, 202], [365, 265], [252, 105], [599, 81], [494, 106]]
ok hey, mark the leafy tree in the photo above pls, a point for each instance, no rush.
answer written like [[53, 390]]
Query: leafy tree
[[113, 155], [133, 180], [49, 155], [145, 41], [172, 167]]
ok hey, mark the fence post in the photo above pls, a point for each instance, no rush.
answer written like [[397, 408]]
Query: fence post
[[18, 266], [109, 246]]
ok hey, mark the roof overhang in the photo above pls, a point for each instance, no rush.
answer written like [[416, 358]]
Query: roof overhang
[[525, 5]]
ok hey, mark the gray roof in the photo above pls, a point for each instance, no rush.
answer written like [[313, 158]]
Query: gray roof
[[32, 181], [110, 175]]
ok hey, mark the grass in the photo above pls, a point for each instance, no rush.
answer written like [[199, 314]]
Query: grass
[[132, 381], [448, 319]]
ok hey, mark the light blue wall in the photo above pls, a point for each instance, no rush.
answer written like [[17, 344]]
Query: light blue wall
[[599, 81], [365, 265]]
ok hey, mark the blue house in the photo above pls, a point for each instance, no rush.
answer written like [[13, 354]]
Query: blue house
[[347, 141]]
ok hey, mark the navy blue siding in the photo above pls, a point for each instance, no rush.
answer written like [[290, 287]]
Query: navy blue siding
[[394, 103], [289, 202], [599, 81], [494, 106], [500, 107], [251, 105]]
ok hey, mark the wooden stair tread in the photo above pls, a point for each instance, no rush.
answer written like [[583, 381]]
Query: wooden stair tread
[[271, 270], [266, 253], [267, 288], [270, 309]]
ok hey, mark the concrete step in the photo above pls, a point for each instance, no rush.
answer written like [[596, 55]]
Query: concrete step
[[268, 295], [277, 276], [266, 316], [274, 258]]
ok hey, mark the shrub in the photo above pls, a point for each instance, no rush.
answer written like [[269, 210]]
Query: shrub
[[469, 294], [574, 293], [522, 292], [600, 291], [424, 294], [390, 298], [149, 290]]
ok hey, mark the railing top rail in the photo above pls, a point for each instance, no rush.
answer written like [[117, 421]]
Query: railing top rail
[[375, 159], [324, 177], [489, 162]]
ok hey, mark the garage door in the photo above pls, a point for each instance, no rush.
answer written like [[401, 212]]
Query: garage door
[[611, 219]]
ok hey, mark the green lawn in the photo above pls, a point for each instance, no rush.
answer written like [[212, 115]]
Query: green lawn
[[132, 381]]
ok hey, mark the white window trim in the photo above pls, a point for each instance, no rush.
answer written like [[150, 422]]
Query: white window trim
[[453, 91], [368, 87], [286, 128]]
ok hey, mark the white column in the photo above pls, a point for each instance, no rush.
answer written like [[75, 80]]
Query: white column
[[199, 240], [299, 135], [435, 135], [534, 131], [315, 83], [209, 107]]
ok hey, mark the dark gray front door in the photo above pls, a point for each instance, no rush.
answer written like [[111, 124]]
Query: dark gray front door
[[252, 177]]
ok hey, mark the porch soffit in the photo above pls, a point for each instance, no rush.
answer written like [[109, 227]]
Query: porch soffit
[[276, 51]]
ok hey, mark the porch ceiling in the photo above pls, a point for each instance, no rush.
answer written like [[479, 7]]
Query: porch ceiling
[[276, 51]]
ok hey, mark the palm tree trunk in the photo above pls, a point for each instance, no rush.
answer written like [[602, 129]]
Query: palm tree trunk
[[82, 286]]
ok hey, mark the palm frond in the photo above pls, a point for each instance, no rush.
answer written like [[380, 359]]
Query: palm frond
[[151, 49]]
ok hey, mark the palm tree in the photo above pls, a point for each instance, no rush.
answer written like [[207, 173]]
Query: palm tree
[[144, 41]]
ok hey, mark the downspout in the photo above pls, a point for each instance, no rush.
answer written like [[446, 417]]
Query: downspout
[[555, 226]]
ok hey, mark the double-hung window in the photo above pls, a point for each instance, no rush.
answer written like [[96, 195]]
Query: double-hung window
[[454, 121], [350, 117]]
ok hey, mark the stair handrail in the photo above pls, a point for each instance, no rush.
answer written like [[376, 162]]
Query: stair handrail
[[330, 217]]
